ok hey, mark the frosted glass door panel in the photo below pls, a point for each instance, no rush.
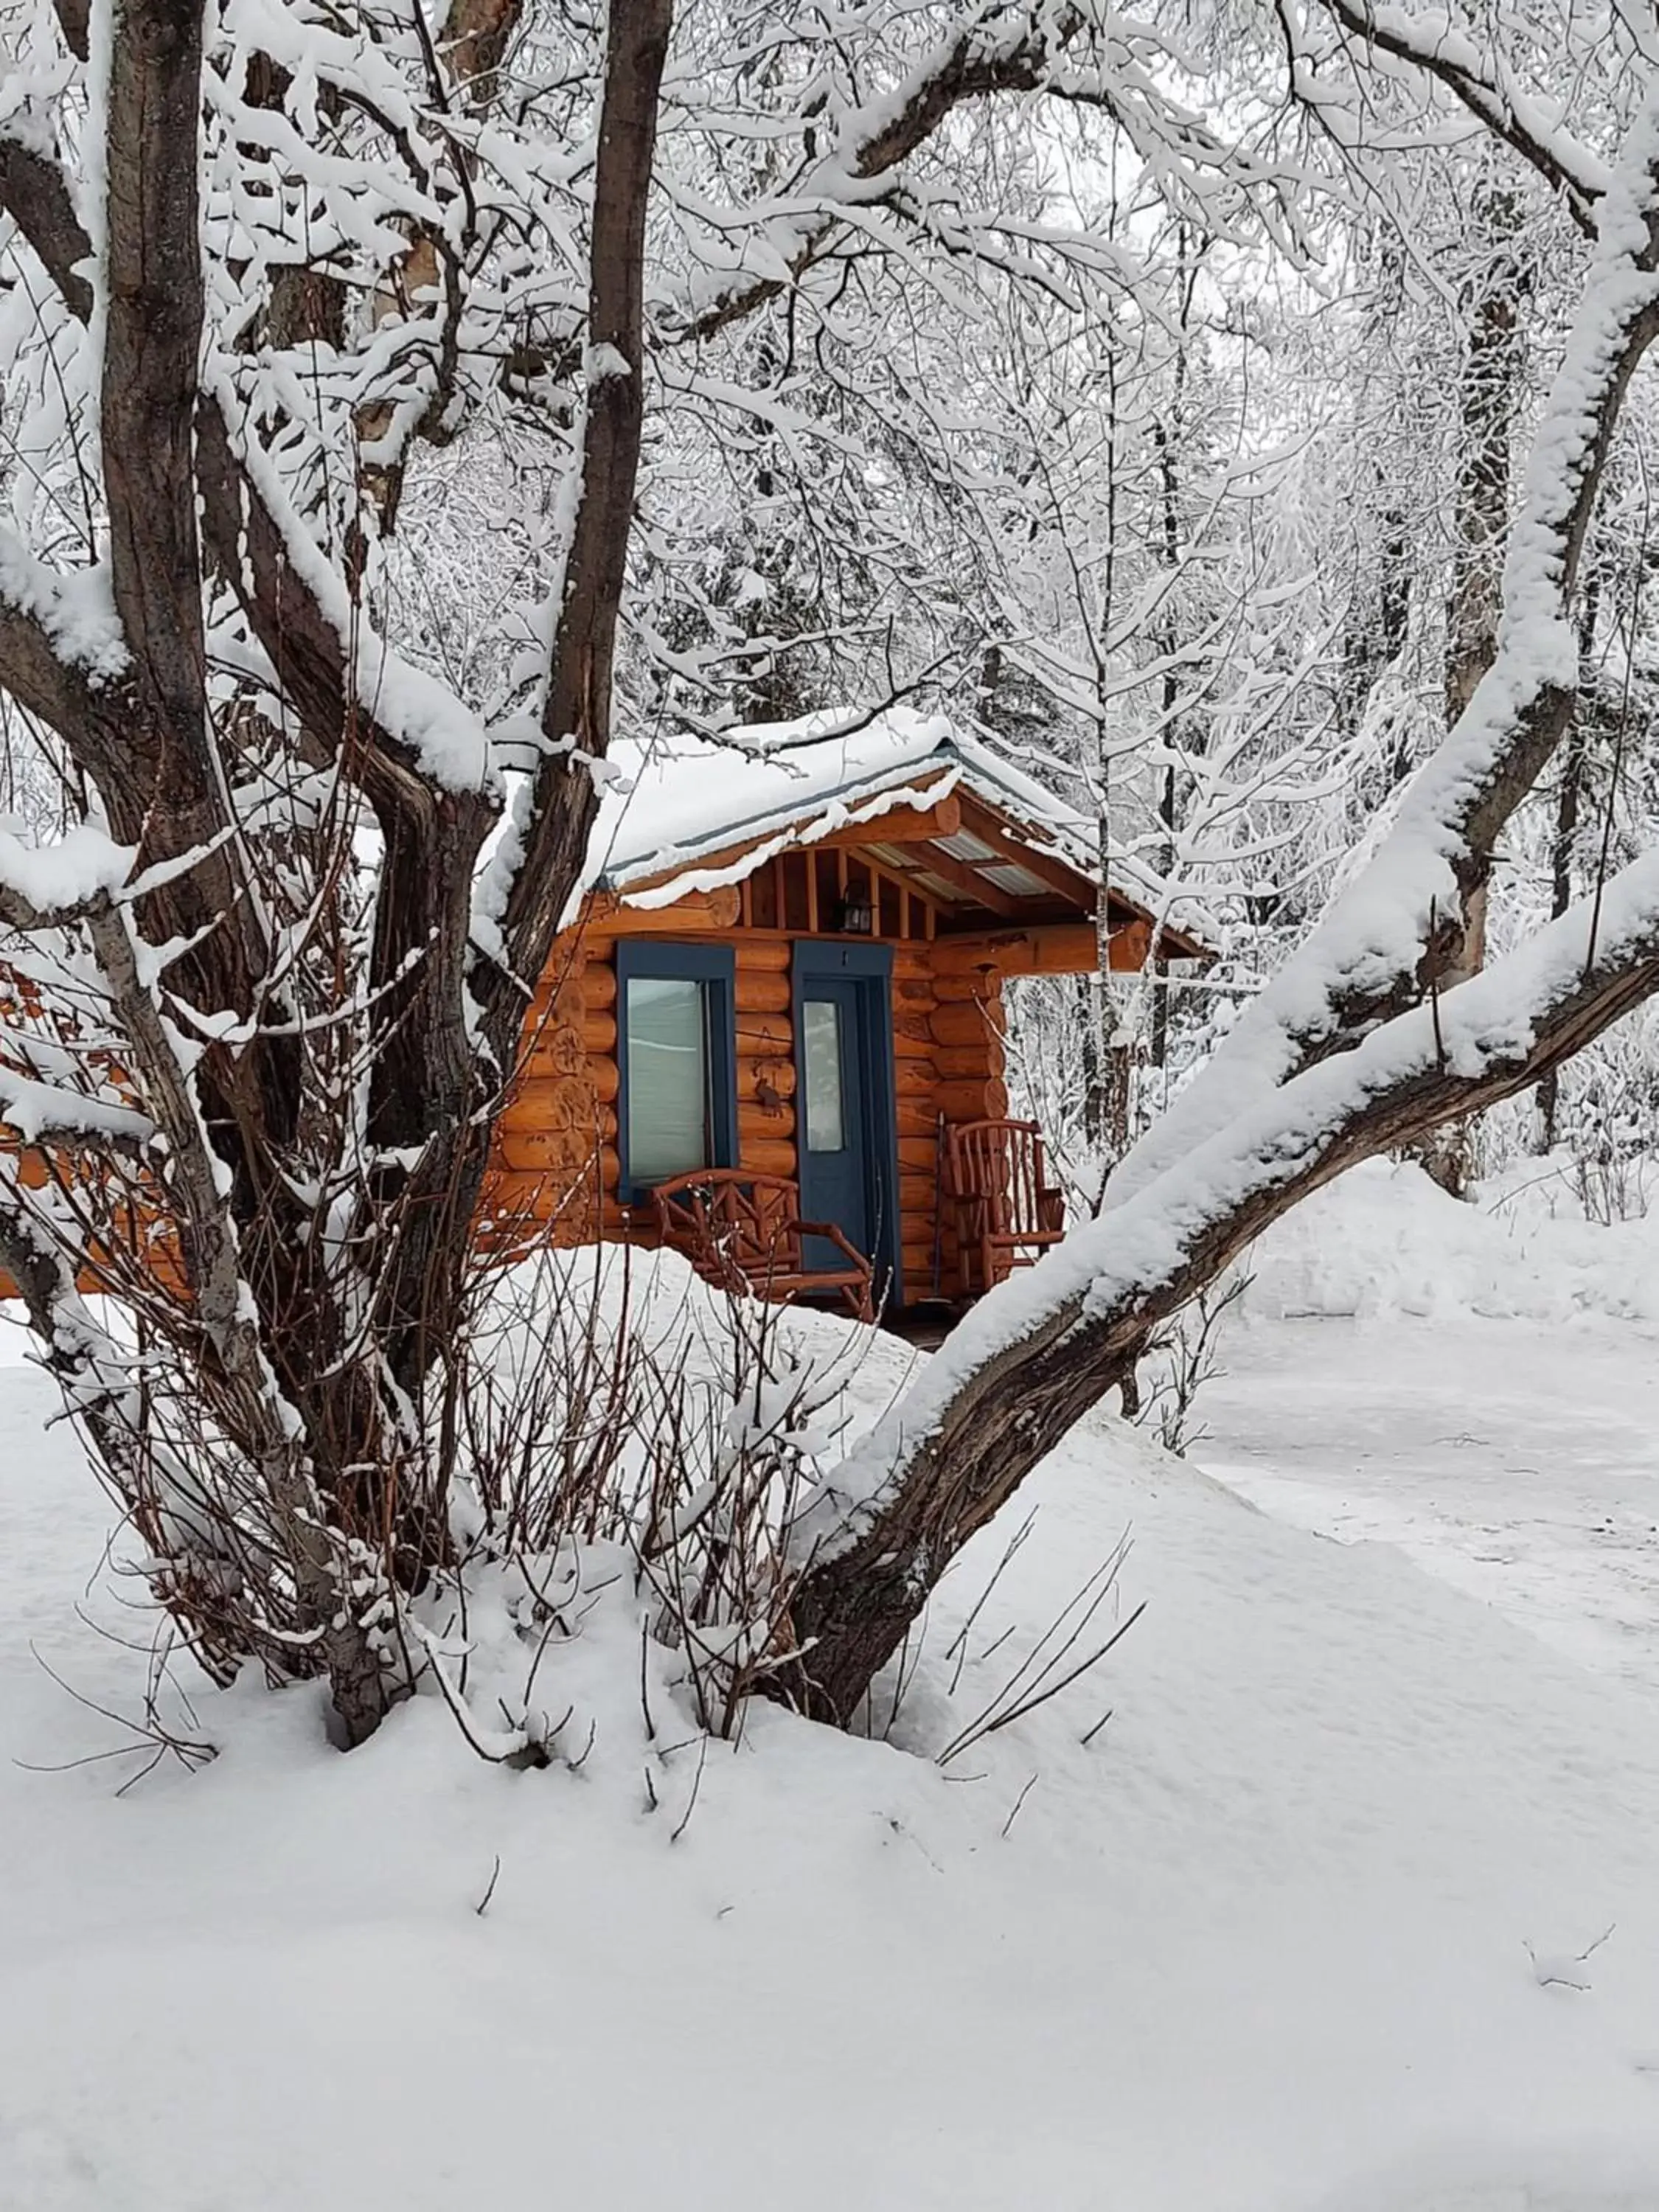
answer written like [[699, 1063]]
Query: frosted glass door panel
[[667, 1077], [826, 1124]]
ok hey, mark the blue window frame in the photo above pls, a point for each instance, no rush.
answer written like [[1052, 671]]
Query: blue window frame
[[676, 1061]]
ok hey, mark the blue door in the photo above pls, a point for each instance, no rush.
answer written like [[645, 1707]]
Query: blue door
[[843, 1093]]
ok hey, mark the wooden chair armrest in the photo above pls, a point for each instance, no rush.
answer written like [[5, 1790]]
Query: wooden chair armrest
[[833, 1235]]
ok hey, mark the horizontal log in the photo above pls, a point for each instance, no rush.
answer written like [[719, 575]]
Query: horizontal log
[[1055, 948], [968, 1063], [917, 1106], [556, 1150], [556, 1055], [567, 1102], [599, 1033], [762, 990], [566, 969], [972, 1024], [764, 1121], [907, 1046], [973, 989], [899, 825], [764, 1037], [1131, 943], [916, 1115], [567, 1009], [760, 954], [774, 1156], [33, 1168], [918, 1155], [915, 1195], [762, 1073], [973, 1102], [599, 985], [605, 915], [538, 1195], [549, 1018]]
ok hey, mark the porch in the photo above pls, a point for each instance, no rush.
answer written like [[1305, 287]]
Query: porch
[[996, 1210]]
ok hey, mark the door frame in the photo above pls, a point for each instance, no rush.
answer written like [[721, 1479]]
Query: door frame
[[832, 959]]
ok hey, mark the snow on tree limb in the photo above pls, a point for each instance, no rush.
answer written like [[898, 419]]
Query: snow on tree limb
[[1009, 46], [1389, 937], [1352, 1050], [61, 645], [43, 886], [1476, 75], [1036, 1353], [33, 193]]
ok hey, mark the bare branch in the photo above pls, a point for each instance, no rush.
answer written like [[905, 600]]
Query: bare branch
[[33, 193], [994, 50]]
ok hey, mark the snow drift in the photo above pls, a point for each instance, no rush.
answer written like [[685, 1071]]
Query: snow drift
[[1261, 1941]]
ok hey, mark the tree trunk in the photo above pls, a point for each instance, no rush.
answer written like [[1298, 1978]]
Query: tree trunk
[[1338, 1059], [1486, 400]]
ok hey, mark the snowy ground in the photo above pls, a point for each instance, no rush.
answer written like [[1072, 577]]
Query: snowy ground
[[1518, 1461], [1261, 1946], [1480, 1388]]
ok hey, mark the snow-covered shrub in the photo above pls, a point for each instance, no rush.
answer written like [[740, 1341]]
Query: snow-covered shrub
[[635, 1450]]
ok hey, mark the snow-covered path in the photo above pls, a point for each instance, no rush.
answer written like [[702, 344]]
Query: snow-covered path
[[1518, 1460]]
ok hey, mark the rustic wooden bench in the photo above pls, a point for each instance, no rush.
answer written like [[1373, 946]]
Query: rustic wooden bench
[[744, 1232], [1007, 1213]]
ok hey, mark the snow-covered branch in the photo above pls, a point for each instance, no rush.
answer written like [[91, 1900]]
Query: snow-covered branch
[[1394, 934], [1017, 1371], [1477, 75], [33, 193]]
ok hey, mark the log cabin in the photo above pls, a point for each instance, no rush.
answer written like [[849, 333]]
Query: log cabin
[[774, 1023]]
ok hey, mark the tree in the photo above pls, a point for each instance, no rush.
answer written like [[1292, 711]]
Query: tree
[[320, 827], [1359, 1045]]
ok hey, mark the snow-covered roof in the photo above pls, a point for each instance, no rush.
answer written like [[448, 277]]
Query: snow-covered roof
[[703, 815]]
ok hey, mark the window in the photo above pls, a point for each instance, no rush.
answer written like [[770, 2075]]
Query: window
[[676, 1046]]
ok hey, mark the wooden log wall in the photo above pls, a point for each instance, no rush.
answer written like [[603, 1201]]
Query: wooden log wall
[[766, 1056], [948, 1064], [555, 1172], [555, 1162]]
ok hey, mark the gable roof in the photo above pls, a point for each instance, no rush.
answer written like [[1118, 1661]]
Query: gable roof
[[708, 815]]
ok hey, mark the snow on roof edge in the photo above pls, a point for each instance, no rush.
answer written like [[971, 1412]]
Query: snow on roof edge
[[810, 778]]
